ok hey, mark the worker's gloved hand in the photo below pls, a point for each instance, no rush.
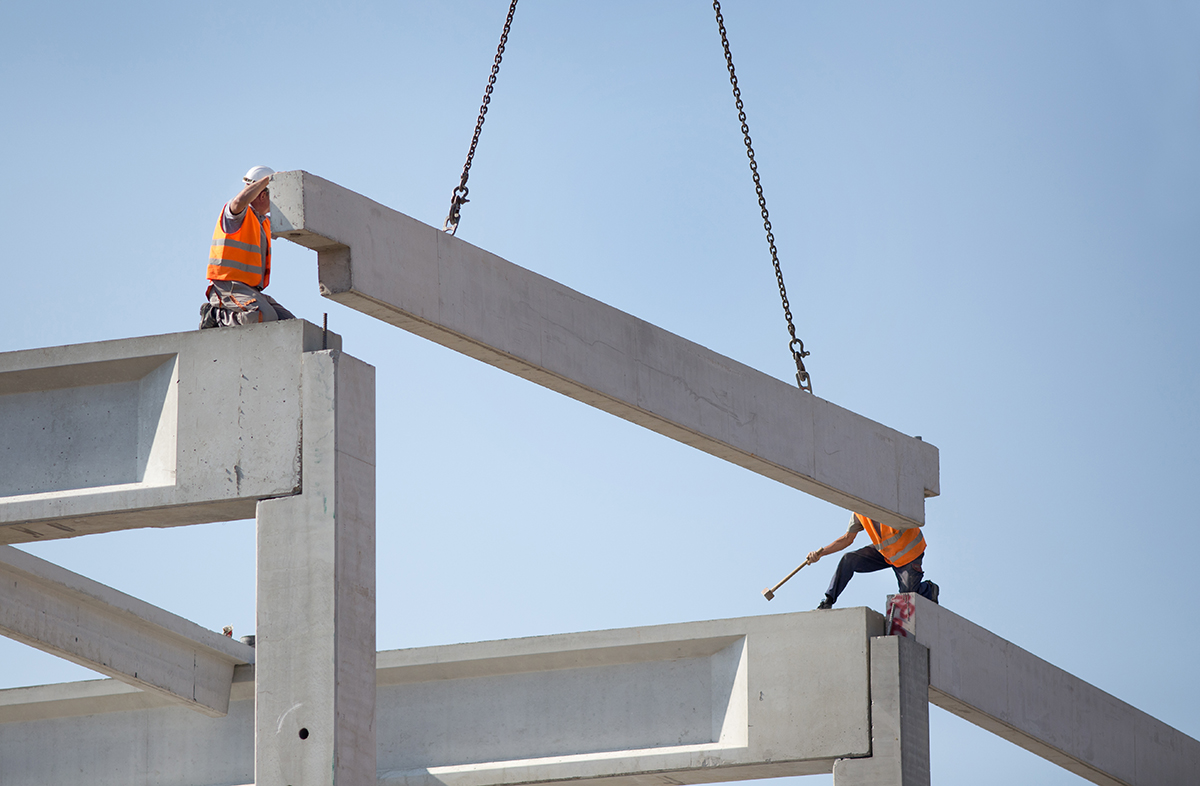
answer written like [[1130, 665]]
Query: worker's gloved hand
[[813, 556]]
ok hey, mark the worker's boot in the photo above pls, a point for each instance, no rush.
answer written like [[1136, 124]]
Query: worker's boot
[[825, 604]]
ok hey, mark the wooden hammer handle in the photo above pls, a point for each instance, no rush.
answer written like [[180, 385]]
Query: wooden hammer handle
[[788, 576]]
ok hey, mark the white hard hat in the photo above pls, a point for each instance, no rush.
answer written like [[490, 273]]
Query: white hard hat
[[257, 173]]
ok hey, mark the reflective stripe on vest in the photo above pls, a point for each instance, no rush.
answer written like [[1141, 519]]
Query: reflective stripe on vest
[[243, 256], [898, 546]]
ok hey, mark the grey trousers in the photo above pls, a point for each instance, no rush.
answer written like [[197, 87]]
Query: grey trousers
[[909, 578], [233, 303]]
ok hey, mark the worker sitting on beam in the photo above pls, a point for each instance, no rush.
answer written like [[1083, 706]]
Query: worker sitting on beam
[[902, 550], [239, 260]]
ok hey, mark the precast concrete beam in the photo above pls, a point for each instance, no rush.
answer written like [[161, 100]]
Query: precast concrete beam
[[419, 278], [1000, 687], [96, 626], [106, 733], [697, 702], [159, 431]]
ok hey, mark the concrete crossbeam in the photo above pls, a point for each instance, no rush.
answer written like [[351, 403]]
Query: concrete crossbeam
[[86, 622], [699, 702], [158, 431], [105, 733], [414, 276], [1000, 687], [688, 703]]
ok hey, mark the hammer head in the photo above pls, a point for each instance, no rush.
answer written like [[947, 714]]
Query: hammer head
[[768, 594]]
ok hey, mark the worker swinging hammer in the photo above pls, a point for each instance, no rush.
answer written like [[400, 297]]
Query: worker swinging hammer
[[902, 550], [239, 260]]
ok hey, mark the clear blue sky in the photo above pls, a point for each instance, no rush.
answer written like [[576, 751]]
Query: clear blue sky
[[988, 216]]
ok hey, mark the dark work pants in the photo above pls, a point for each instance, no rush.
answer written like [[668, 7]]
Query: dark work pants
[[868, 560]]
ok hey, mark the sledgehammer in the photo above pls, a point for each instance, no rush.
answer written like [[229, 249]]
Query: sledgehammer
[[770, 593]]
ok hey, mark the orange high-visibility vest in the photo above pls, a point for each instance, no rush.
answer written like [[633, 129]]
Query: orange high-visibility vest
[[244, 255], [898, 546]]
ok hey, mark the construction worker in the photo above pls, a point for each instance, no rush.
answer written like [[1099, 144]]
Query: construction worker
[[899, 549], [239, 260]]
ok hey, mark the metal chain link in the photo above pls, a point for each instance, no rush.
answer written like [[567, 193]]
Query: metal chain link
[[795, 345], [459, 196]]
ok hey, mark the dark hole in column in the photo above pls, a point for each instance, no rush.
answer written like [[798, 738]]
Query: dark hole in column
[[304, 734]]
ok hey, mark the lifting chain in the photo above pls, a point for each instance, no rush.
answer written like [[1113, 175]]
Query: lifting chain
[[459, 196], [796, 345]]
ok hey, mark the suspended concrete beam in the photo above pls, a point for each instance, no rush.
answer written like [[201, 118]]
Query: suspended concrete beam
[[392, 267], [697, 702], [1012, 693], [160, 431], [71, 616]]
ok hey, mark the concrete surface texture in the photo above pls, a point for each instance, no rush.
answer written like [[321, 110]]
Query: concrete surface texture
[[693, 703], [1000, 687], [183, 428], [108, 631], [95, 733], [899, 718], [419, 278], [696, 702], [315, 686]]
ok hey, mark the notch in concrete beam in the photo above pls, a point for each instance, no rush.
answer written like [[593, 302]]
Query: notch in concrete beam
[[412, 275], [105, 630]]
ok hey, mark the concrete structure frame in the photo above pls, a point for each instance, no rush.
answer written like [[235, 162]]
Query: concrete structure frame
[[276, 422], [183, 429]]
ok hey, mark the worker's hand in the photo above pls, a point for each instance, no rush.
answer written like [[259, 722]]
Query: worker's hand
[[248, 194], [813, 556]]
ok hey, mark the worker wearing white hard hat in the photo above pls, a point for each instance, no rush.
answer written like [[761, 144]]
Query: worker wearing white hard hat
[[239, 259], [257, 173]]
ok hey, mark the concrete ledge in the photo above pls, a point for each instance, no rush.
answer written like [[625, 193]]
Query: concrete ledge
[[1000, 687], [415, 276], [690, 703], [71, 616], [183, 428], [98, 697]]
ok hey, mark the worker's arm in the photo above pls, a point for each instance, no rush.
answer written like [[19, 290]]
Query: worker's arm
[[247, 195], [833, 548]]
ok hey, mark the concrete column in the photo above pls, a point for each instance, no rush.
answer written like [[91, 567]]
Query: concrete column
[[899, 719], [315, 670]]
